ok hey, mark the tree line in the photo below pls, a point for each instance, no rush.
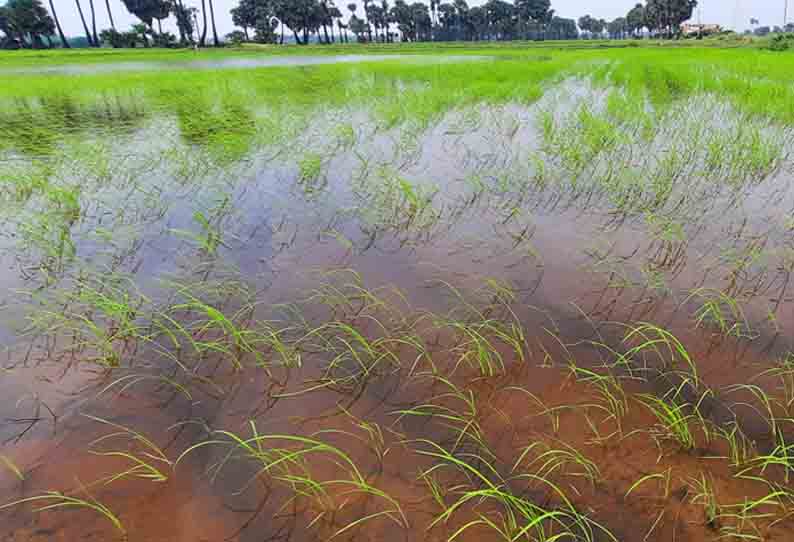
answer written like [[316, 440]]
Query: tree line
[[28, 23], [662, 18]]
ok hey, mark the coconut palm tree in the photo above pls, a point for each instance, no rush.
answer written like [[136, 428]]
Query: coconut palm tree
[[203, 38], [58, 26], [110, 14], [93, 23], [214, 30], [85, 26]]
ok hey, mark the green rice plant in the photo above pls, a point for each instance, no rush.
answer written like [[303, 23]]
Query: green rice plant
[[721, 311], [148, 464], [12, 467], [675, 417], [54, 500], [462, 420], [310, 169], [209, 239], [703, 495], [613, 401], [784, 373], [354, 357], [546, 459], [233, 335], [515, 517], [655, 345], [286, 459], [99, 317], [665, 477], [740, 521], [781, 456], [742, 450]]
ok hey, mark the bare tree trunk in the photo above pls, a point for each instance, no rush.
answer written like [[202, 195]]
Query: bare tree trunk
[[214, 30], [58, 26], [245, 31], [93, 23], [325, 31], [85, 26], [203, 39], [110, 15]]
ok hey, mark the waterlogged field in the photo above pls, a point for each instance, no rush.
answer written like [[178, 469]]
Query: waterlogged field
[[537, 295]]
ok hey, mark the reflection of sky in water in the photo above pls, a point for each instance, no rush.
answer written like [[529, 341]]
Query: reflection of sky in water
[[263, 61]]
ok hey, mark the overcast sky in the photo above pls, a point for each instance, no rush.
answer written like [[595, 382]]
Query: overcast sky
[[729, 13]]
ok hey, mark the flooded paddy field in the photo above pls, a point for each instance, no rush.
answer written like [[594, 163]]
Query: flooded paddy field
[[539, 297]]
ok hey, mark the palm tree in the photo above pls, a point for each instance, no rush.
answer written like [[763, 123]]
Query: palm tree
[[58, 26], [93, 23], [214, 30], [366, 17], [203, 38], [85, 26], [110, 14]]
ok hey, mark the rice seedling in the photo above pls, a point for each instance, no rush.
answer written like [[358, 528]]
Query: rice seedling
[[676, 417], [516, 517], [54, 500], [721, 311], [285, 458], [12, 467], [148, 464], [664, 479], [703, 494]]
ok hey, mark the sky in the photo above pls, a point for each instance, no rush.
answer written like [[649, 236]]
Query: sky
[[733, 14]]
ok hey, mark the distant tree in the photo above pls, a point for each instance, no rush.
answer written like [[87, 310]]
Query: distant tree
[[666, 16], [366, 18], [478, 23], [236, 37], [185, 17], [533, 13], [563, 29], [265, 23], [142, 33], [25, 23], [586, 24], [762, 31], [501, 19], [119, 39], [618, 28], [302, 17], [244, 16], [635, 19], [149, 10]]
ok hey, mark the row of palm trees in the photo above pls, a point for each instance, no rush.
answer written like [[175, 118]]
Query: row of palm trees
[[147, 11]]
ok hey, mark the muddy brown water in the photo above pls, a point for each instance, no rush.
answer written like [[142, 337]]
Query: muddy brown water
[[579, 273]]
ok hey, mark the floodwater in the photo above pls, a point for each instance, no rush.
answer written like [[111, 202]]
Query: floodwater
[[305, 249], [261, 61]]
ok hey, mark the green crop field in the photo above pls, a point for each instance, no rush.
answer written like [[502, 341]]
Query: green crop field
[[443, 292]]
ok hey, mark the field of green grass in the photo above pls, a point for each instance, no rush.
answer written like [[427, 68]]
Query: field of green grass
[[480, 292]]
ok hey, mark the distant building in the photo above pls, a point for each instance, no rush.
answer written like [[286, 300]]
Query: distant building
[[689, 29]]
